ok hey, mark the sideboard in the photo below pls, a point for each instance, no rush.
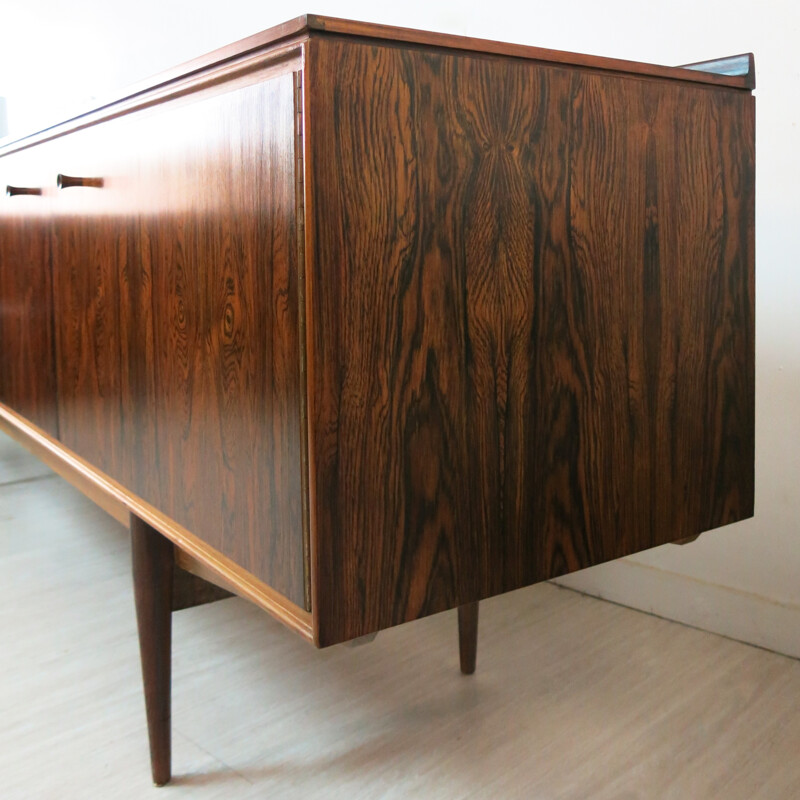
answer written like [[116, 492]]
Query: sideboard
[[364, 323]]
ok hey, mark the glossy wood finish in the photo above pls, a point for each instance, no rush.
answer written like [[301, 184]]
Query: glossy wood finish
[[526, 314], [221, 248], [468, 637], [177, 306], [380, 328], [530, 309], [297, 30], [153, 564], [369, 30], [194, 554], [27, 369]]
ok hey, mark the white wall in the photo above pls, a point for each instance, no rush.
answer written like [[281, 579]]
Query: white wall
[[743, 580]]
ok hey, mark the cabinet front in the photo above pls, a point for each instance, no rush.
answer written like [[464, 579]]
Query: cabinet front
[[176, 275]]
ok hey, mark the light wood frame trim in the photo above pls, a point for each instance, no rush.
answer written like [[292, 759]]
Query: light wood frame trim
[[117, 501]]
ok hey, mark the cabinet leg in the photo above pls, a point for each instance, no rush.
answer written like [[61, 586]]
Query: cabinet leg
[[468, 636], [153, 560]]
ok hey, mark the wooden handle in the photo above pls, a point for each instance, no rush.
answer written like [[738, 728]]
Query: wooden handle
[[14, 190], [65, 181]]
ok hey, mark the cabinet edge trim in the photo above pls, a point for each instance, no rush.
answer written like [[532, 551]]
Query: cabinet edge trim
[[120, 503]]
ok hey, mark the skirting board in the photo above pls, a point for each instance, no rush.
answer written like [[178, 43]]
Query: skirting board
[[712, 607]]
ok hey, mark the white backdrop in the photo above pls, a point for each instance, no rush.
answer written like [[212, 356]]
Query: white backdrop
[[743, 580]]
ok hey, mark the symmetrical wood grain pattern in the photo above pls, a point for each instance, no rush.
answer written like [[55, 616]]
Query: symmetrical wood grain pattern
[[27, 368], [530, 309]]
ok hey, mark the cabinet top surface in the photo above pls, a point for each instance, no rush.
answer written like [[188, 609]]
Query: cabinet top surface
[[302, 27]]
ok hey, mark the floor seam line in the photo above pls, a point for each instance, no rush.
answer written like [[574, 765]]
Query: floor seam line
[[215, 757], [32, 479], [676, 621]]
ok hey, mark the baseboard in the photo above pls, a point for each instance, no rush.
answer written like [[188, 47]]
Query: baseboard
[[720, 609]]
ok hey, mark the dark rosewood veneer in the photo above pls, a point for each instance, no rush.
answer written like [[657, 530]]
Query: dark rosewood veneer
[[363, 323]]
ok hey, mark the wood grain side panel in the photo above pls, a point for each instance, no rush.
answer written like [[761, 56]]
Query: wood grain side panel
[[530, 323], [27, 368], [219, 242]]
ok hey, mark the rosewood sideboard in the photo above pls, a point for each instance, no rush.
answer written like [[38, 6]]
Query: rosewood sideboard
[[364, 323]]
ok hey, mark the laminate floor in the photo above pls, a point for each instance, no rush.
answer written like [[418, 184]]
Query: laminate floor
[[573, 697]]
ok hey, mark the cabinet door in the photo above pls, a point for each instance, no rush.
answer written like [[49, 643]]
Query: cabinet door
[[177, 305], [27, 373], [93, 237], [218, 240]]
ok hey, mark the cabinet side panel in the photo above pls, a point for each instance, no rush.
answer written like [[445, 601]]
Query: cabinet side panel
[[530, 323], [220, 244]]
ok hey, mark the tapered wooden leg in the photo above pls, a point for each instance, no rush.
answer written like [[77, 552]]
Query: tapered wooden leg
[[468, 636], [153, 563]]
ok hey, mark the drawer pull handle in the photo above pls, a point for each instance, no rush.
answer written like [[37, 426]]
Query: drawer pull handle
[[14, 190], [65, 181]]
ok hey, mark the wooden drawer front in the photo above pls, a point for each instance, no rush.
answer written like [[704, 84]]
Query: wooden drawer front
[[27, 369], [531, 327], [177, 304]]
